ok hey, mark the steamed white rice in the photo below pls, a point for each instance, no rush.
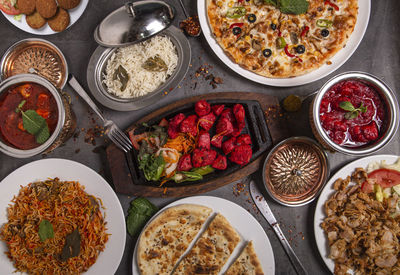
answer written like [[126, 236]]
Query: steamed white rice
[[141, 81]]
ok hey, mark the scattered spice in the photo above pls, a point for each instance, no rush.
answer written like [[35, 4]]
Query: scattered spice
[[191, 26]]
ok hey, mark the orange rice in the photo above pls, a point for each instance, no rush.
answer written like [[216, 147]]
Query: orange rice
[[68, 208]]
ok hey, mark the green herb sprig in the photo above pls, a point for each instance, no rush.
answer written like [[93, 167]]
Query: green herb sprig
[[34, 124], [289, 6], [352, 112]]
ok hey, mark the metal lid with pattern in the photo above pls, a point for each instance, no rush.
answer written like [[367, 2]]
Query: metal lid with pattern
[[295, 171]]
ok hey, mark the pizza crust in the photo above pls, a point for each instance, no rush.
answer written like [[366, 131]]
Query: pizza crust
[[247, 263], [212, 250], [239, 48], [167, 237]]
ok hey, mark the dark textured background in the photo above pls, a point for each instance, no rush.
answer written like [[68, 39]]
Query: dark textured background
[[378, 54]]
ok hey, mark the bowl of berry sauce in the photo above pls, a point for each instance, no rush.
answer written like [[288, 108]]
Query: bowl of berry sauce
[[354, 113]]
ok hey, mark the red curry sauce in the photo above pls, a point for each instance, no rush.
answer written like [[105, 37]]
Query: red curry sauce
[[37, 98], [366, 128]]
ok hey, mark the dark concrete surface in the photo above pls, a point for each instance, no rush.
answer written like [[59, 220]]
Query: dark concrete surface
[[378, 53]]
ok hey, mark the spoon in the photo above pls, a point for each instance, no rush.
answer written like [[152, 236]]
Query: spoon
[[292, 103], [191, 25]]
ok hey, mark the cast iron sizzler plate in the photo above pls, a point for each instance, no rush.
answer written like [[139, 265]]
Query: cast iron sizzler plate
[[264, 127], [256, 127]]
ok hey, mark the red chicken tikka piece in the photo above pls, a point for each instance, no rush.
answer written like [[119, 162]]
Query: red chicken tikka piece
[[207, 121], [229, 145], [189, 125], [220, 163], [185, 163], [203, 157], [243, 139], [202, 108], [203, 140], [173, 126], [241, 154], [217, 109]]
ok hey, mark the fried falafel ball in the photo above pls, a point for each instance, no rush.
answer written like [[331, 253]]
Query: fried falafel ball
[[35, 20], [60, 21], [46, 8], [68, 4], [26, 6]]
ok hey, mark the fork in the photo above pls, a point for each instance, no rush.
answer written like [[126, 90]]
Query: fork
[[112, 131]]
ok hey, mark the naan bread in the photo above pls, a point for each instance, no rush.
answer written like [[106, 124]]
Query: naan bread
[[212, 250], [168, 236], [247, 263]]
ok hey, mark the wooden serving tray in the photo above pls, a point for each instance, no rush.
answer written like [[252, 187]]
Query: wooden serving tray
[[120, 167]]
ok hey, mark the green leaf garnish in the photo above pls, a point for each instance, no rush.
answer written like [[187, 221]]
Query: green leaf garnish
[[20, 106], [72, 246], [289, 6], [271, 2], [352, 111], [45, 230], [139, 212], [34, 124]]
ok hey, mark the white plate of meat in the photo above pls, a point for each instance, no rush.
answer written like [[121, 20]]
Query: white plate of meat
[[343, 233]]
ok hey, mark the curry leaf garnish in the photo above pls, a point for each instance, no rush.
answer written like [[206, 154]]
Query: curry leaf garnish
[[72, 245], [352, 112], [34, 124], [45, 230], [122, 76]]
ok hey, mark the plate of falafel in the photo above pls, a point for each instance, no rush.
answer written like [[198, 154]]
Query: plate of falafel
[[44, 17]]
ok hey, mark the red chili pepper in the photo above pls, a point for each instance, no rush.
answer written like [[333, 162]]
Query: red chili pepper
[[304, 31], [287, 52], [236, 25], [240, 1], [279, 33], [327, 2]]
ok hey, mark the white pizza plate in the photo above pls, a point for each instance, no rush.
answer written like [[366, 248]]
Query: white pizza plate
[[67, 170], [46, 30], [328, 191], [338, 60], [244, 223]]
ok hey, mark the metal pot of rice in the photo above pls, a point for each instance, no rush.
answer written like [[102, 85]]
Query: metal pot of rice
[[136, 66]]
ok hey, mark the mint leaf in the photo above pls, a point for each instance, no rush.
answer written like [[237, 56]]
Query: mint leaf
[[347, 106], [362, 108], [293, 6], [43, 135], [45, 230], [32, 121], [351, 115], [34, 124], [20, 106], [271, 2]]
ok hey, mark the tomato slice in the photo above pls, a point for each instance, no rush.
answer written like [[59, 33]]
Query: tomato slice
[[385, 177], [367, 187], [8, 8]]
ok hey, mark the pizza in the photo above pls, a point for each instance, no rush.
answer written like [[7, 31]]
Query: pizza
[[247, 263], [281, 38], [212, 250], [168, 236]]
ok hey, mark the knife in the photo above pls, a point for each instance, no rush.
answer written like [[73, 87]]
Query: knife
[[262, 205]]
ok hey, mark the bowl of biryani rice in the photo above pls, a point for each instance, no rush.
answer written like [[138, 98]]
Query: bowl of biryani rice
[[54, 227], [135, 76]]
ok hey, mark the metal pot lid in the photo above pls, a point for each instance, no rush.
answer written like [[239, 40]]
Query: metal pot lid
[[295, 171], [134, 23]]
